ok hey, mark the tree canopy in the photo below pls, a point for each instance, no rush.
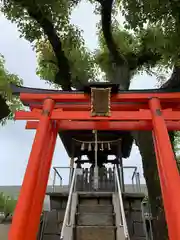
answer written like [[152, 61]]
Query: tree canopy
[[160, 22], [7, 205], [8, 103], [60, 45], [148, 40]]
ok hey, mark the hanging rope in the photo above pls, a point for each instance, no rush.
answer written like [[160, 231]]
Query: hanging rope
[[96, 175]]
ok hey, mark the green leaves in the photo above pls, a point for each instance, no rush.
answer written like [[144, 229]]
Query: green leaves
[[150, 46], [7, 100], [7, 204], [80, 59], [43, 24], [142, 50], [177, 142], [57, 11], [160, 19]]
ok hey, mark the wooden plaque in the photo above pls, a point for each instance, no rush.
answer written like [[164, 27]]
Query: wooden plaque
[[100, 101]]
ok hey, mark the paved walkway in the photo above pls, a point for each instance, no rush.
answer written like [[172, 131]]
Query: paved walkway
[[4, 231]]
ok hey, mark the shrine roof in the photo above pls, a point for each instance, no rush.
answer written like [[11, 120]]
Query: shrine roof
[[122, 139], [17, 90]]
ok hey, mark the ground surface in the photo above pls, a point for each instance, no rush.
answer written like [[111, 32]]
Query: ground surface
[[4, 231]]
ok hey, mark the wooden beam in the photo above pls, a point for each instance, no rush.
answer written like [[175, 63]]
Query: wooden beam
[[58, 114], [167, 169], [120, 97], [23, 207], [105, 125], [85, 115], [114, 106]]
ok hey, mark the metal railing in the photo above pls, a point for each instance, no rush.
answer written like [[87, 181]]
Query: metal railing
[[135, 176], [42, 226], [123, 217], [56, 173], [147, 218], [85, 181], [64, 186], [67, 216]]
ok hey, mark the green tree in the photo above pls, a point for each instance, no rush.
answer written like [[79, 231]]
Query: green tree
[[8, 102], [7, 205], [177, 147], [2, 202], [159, 22], [64, 60]]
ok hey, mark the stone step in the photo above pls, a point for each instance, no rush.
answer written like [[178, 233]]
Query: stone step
[[95, 208], [51, 225], [53, 221], [138, 229], [51, 237], [95, 219], [94, 201], [138, 238], [94, 198], [136, 215], [95, 233]]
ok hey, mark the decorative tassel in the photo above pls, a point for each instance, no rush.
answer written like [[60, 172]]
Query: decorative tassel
[[89, 147], [82, 147], [102, 147], [109, 146]]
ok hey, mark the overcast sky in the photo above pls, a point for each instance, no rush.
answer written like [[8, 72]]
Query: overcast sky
[[15, 141]]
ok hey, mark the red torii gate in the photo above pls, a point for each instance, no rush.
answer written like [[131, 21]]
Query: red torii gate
[[154, 111]]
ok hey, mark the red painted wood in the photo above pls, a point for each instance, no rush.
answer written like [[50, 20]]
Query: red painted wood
[[23, 207], [143, 114], [132, 116], [104, 125], [41, 185], [114, 106], [168, 172], [120, 97]]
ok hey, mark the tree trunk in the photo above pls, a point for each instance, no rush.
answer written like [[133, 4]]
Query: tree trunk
[[4, 108], [145, 143]]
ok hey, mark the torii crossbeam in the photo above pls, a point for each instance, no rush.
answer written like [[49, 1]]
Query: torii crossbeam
[[53, 111]]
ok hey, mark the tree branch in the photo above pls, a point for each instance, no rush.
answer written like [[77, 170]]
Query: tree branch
[[147, 58], [4, 108], [50, 61], [174, 80], [120, 66], [64, 72], [106, 12], [63, 64]]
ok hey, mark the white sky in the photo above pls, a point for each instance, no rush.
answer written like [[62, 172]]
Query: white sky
[[15, 141]]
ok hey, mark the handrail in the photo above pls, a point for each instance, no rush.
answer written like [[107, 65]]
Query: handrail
[[133, 175], [136, 176], [55, 169], [138, 184], [66, 215], [124, 223], [54, 178], [150, 217], [42, 228]]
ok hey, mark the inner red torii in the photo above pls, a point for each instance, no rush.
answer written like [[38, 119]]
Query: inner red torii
[[133, 110]]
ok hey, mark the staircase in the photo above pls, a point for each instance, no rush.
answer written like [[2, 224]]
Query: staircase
[[132, 205], [95, 217], [51, 225]]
